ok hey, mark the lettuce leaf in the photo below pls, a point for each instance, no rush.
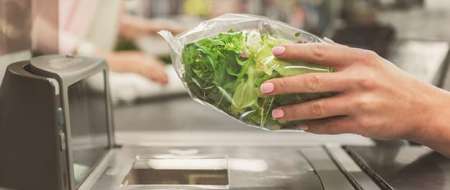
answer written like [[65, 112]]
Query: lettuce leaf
[[227, 70]]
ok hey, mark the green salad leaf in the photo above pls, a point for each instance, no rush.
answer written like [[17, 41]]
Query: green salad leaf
[[227, 70]]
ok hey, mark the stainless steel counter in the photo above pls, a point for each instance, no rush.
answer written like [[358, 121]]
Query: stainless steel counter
[[405, 167], [180, 124], [183, 122], [249, 168]]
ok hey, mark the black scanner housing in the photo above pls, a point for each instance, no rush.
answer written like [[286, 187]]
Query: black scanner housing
[[28, 132], [34, 127]]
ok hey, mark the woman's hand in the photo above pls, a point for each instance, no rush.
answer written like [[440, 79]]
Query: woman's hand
[[133, 27], [374, 98], [139, 63]]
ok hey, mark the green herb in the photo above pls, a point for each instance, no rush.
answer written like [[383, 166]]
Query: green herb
[[227, 70]]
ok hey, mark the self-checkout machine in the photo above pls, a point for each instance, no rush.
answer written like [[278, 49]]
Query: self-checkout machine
[[57, 133]]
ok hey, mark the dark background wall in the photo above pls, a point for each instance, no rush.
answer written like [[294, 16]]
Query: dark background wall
[[26, 26]]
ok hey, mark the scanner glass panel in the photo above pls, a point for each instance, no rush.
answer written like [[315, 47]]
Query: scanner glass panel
[[89, 124]]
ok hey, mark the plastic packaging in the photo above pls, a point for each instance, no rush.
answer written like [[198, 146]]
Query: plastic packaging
[[223, 61]]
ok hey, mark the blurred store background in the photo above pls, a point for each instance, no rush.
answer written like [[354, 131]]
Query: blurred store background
[[413, 34]]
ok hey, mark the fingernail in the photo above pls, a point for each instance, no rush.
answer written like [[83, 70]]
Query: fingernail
[[277, 113], [278, 50], [267, 88], [303, 127]]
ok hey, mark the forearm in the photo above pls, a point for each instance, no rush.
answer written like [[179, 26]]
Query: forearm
[[128, 26], [132, 27]]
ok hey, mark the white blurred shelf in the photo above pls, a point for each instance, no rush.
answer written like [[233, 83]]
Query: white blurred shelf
[[127, 87]]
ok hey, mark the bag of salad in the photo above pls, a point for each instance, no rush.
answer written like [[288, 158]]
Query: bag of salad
[[223, 62]]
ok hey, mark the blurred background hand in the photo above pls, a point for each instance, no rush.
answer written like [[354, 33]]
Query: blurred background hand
[[139, 63], [133, 27]]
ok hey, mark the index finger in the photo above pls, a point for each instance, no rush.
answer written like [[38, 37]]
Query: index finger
[[307, 83], [320, 53]]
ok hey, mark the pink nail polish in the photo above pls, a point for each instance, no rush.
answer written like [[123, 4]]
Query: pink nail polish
[[277, 113], [267, 88], [278, 50]]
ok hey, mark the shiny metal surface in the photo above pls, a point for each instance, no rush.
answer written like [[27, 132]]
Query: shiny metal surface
[[351, 169], [180, 170], [276, 168], [183, 122], [262, 160], [330, 175], [407, 167]]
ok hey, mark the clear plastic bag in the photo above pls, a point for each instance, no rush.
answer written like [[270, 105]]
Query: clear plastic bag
[[223, 61]]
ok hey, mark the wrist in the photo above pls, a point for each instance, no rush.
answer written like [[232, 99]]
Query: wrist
[[434, 128]]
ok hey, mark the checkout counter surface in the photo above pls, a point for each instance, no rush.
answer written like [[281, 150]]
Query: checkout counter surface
[[276, 168], [404, 167], [183, 122], [194, 126]]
